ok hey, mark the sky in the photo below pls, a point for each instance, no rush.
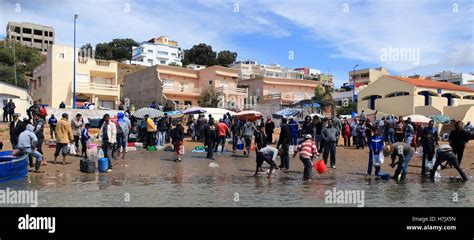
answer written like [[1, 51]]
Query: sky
[[407, 37]]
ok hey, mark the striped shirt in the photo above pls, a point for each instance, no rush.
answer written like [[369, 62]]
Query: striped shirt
[[307, 149]]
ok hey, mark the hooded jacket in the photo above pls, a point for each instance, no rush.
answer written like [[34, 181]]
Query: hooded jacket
[[27, 138]]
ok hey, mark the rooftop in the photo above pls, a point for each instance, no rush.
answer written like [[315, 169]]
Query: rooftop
[[418, 82]]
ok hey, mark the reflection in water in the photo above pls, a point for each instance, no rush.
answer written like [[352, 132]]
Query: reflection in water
[[182, 186]]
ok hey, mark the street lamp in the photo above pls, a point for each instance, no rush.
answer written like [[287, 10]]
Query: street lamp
[[74, 77], [354, 110]]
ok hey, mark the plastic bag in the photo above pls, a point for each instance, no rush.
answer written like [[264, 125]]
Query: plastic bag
[[291, 149], [100, 153], [213, 165], [72, 149], [420, 152]]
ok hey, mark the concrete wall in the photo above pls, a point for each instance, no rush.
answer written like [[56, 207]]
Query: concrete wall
[[143, 87], [428, 110], [84, 112], [464, 113]]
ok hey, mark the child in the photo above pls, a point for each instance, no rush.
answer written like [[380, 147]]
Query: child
[[85, 138], [307, 150], [376, 145]]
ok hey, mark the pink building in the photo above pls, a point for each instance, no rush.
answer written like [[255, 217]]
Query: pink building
[[180, 87], [283, 91]]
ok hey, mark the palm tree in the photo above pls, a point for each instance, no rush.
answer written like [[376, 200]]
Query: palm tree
[[324, 97]]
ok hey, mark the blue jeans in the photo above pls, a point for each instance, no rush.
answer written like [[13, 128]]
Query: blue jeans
[[122, 140], [235, 141], [369, 169], [294, 139], [408, 140], [35, 154], [391, 135], [161, 138]]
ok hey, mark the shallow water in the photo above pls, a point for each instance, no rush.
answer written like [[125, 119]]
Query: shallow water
[[186, 185]]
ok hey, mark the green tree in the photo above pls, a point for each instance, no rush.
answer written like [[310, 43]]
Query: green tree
[[209, 98], [117, 49], [323, 95], [25, 61], [200, 54], [173, 64], [225, 58]]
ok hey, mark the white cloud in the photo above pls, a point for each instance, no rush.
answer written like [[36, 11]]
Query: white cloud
[[431, 27]]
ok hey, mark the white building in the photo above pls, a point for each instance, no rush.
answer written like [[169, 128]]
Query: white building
[[463, 79], [249, 69], [157, 51], [18, 95]]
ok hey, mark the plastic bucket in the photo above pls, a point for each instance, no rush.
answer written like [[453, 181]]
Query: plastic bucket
[[320, 166], [103, 164], [93, 146], [240, 146]]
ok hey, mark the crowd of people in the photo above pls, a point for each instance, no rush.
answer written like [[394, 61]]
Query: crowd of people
[[314, 138]]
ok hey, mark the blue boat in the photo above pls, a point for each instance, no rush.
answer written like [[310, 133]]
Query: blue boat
[[11, 167]]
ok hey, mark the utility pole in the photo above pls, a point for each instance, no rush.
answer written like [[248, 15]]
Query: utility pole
[[12, 29]]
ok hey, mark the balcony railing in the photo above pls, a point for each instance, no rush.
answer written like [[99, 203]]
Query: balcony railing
[[181, 89], [286, 96], [86, 87], [231, 90]]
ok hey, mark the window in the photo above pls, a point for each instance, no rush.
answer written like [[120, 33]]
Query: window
[[210, 82], [39, 82], [470, 97], [397, 94], [50, 42], [27, 39], [150, 61], [50, 34], [162, 53], [173, 54], [38, 32], [168, 84], [188, 103], [61, 55], [457, 83], [162, 62], [150, 51], [27, 30], [46, 33], [38, 41], [17, 29], [364, 75]]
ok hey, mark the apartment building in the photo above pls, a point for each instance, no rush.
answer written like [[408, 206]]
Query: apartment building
[[31, 35], [280, 91], [157, 51], [249, 69], [463, 79], [96, 80], [364, 77], [182, 87]]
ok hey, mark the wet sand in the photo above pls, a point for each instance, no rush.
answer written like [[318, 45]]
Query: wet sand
[[142, 168]]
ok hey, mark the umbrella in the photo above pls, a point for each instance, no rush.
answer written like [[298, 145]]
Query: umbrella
[[175, 114], [440, 118], [286, 113], [248, 115], [194, 110], [151, 112], [218, 112], [418, 118], [314, 105]]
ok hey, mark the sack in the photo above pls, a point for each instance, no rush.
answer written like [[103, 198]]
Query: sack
[[291, 150], [100, 153], [72, 149]]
